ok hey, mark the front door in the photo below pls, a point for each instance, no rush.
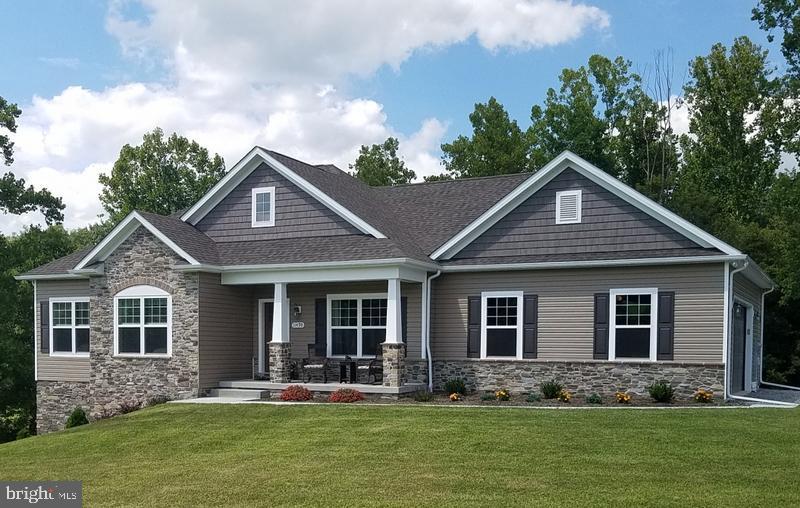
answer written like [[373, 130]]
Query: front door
[[266, 333], [739, 348]]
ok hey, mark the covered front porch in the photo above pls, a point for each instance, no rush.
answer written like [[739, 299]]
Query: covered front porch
[[249, 389], [325, 329]]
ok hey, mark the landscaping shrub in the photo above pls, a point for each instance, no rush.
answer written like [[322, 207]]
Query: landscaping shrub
[[703, 396], [13, 422], [551, 389], [77, 417], [157, 399], [346, 395], [106, 413], [533, 397], [502, 394], [129, 406], [564, 396], [23, 433], [594, 399], [296, 393], [488, 396], [662, 392], [423, 396], [455, 385], [623, 397]]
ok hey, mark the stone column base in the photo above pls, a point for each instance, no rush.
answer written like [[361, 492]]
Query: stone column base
[[279, 362], [394, 364]]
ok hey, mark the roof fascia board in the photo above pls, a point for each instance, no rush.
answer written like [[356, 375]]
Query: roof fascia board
[[121, 232], [51, 276], [277, 267], [246, 166], [593, 263], [547, 173], [332, 274]]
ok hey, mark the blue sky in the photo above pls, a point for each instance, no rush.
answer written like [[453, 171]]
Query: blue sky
[[316, 83]]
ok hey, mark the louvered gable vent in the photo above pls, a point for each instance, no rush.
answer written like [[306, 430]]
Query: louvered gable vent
[[568, 207]]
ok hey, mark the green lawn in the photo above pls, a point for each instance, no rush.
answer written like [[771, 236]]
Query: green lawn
[[198, 455]]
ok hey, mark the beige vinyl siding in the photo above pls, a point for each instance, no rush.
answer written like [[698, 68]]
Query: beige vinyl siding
[[226, 336], [60, 368], [749, 293], [566, 307], [306, 294]]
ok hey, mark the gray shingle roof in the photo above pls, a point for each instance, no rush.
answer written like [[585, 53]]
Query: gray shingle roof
[[416, 218]]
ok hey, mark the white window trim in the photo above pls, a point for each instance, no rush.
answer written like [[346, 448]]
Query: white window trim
[[359, 327], [612, 323], [140, 293], [579, 208], [72, 327], [263, 223], [520, 316]]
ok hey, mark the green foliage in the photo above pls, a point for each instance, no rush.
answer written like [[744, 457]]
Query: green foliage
[[594, 399], [783, 15], [14, 422], [77, 417], [533, 397], [423, 396], [156, 400], [455, 385], [160, 176], [551, 389], [9, 113], [497, 146], [487, 396], [661, 392], [17, 198], [379, 165]]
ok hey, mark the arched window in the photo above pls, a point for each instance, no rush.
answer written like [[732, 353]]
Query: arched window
[[143, 322]]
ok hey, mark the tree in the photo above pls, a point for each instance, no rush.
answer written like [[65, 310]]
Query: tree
[[159, 176], [734, 148], [497, 146], [8, 120], [15, 197], [380, 166]]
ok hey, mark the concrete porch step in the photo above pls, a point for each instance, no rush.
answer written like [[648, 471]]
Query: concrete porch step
[[238, 393]]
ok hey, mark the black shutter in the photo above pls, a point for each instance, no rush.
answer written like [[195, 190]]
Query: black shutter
[[530, 321], [601, 311], [404, 317], [474, 327], [44, 316], [321, 326], [666, 325]]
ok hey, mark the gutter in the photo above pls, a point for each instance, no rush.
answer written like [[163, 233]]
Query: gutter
[[428, 330], [35, 327], [593, 263]]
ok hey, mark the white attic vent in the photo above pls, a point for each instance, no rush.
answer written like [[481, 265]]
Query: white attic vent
[[568, 207]]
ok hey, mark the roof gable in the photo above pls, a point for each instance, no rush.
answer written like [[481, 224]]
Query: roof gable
[[608, 226], [542, 177], [253, 160]]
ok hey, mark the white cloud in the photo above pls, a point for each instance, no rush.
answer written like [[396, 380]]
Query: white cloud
[[302, 40], [241, 73]]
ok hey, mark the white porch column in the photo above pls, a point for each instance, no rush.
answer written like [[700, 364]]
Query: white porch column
[[280, 314], [394, 330]]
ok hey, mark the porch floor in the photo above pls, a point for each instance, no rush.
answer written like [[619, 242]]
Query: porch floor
[[250, 384]]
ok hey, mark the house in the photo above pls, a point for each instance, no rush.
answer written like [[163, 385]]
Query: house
[[503, 281]]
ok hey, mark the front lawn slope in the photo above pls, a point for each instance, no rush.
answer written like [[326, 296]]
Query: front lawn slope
[[250, 455]]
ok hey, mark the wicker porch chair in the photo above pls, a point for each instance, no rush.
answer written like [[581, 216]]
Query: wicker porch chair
[[314, 362]]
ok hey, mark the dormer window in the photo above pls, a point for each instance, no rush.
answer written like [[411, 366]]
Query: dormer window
[[568, 207], [263, 206]]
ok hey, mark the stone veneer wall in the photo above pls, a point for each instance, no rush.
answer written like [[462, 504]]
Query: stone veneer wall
[[584, 377], [140, 260], [55, 400]]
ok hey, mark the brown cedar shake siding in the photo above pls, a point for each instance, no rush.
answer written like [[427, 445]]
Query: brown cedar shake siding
[[566, 307], [59, 368], [297, 214]]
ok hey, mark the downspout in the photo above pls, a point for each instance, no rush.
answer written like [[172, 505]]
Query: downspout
[[35, 327], [761, 373], [428, 330]]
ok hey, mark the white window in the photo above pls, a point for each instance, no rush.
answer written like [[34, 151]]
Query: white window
[[632, 333], [143, 322], [263, 207], [356, 324], [69, 326], [501, 324], [568, 207]]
